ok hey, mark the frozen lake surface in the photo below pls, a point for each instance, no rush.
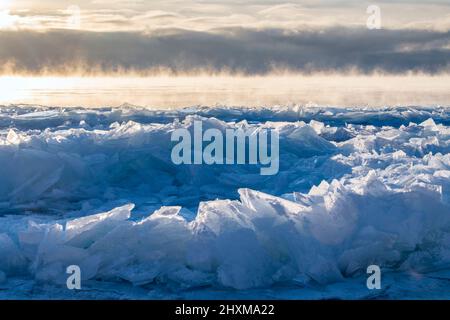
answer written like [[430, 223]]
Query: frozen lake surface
[[97, 188]]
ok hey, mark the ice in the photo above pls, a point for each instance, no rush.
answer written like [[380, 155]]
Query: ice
[[429, 123], [317, 126], [97, 189], [12, 260], [12, 137], [84, 230]]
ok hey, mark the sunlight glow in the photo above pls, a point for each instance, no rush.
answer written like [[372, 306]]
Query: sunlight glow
[[6, 20], [14, 88]]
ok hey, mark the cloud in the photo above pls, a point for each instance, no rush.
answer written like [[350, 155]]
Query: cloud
[[240, 50], [205, 15]]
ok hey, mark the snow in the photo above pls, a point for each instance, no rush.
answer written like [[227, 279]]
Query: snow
[[96, 188]]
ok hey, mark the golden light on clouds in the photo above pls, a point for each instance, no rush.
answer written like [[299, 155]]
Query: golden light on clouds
[[211, 15]]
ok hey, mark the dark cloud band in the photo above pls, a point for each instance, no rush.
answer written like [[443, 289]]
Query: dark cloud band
[[235, 50]]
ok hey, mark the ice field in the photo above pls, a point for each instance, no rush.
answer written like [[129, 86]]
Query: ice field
[[97, 188]]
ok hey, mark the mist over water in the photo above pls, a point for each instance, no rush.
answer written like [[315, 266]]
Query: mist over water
[[167, 92]]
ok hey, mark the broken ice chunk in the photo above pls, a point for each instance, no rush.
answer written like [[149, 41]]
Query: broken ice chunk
[[263, 203], [11, 259], [13, 137], [429, 123], [84, 231], [317, 126]]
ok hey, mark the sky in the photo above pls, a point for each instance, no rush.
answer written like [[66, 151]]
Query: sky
[[252, 37]]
